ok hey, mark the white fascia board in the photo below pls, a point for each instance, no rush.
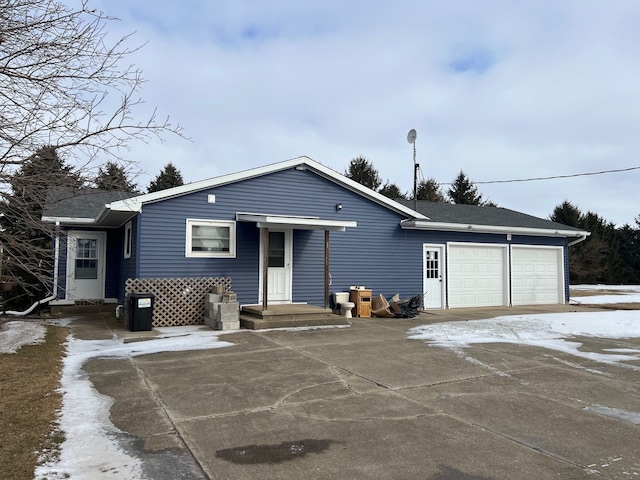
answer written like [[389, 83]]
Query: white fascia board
[[69, 220], [134, 204], [459, 227]]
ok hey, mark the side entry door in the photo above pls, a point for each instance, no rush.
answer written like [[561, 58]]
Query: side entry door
[[86, 253], [433, 277]]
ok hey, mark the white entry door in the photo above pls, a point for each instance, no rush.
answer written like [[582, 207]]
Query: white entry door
[[279, 270], [432, 272], [86, 253]]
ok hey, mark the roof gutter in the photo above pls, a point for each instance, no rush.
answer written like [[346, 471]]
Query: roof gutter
[[580, 239], [68, 220], [412, 224]]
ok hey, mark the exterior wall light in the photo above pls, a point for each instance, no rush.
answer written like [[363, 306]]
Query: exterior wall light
[[338, 207]]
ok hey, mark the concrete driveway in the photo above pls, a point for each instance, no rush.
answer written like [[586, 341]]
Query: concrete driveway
[[365, 402]]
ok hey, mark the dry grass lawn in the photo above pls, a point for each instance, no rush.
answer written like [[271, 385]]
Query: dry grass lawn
[[29, 403]]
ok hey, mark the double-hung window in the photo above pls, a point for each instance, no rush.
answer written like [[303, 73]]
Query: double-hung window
[[127, 240], [211, 238]]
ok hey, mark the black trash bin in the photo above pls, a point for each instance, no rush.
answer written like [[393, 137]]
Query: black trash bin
[[140, 311]]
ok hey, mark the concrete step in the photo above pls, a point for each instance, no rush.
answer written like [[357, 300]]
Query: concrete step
[[82, 309], [252, 322]]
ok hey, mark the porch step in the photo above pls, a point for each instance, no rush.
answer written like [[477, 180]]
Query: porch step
[[82, 309], [288, 316]]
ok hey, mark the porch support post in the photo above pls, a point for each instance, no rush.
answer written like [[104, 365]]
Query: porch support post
[[326, 269], [265, 267]]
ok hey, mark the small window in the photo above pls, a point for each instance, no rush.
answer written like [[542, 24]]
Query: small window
[[211, 238], [127, 240], [86, 259]]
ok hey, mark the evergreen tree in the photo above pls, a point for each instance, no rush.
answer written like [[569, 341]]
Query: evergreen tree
[[169, 177], [463, 191], [391, 190], [26, 239], [114, 177], [430, 191], [566, 214], [362, 171]]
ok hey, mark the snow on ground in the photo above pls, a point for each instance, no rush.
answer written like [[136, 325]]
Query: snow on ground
[[91, 448], [624, 294], [555, 331], [15, 334]]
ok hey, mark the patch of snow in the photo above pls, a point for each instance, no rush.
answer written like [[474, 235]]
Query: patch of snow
[[555, 331], [91, 448], [595, 288], [15, 334], [627, 294], [617, 413]]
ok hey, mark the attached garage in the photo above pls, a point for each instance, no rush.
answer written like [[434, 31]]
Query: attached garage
[[537, 275], [478, 275]]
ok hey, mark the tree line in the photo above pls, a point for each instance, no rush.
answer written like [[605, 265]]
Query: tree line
[[610, 255], [27, 241]]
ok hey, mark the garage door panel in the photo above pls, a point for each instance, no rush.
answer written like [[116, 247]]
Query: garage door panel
[[536, 273], [477, 275]]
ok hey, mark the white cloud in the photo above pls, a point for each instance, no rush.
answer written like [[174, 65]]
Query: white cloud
[[254, 83]]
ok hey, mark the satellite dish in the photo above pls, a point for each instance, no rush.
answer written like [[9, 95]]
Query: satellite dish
[[411, 136]]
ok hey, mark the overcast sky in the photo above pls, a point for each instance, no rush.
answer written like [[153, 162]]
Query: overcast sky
[[499, 89]]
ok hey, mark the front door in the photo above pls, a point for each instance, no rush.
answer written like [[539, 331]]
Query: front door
[[433, 285], [279, 269], [85, 265]]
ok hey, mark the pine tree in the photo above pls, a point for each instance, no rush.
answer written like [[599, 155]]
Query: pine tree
[[391, 190], [430, 191], [362, 171], [566, 214], [26, 239], [169, 177], [114, 177], [463, 191]]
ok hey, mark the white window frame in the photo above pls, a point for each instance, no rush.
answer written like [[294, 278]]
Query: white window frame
[[127, 240], [192, 222]]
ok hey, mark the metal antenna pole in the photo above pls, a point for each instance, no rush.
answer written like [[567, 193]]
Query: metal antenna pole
[[411, 138], [415, 179]]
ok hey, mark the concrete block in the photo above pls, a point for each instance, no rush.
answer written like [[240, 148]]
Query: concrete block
[[211, 322], [213, 297], [229, 297], [218, 289], [228, 325], [228, 312], [211, 314]]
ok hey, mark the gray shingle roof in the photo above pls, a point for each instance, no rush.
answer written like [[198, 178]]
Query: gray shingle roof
[[79, 203], [481, 215]]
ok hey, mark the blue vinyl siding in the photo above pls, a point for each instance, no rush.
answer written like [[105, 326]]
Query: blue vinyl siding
[[62, 264], [113, 262], [289, 192], [128, 266], [378, 253]]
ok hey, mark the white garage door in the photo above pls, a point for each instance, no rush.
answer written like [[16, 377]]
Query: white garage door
[[477, 275], [537, 275]]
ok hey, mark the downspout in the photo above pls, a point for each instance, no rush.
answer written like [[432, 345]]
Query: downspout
[[56, 263], [579, 239]]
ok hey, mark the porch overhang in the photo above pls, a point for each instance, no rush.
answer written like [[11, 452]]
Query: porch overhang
[[271, 221]]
